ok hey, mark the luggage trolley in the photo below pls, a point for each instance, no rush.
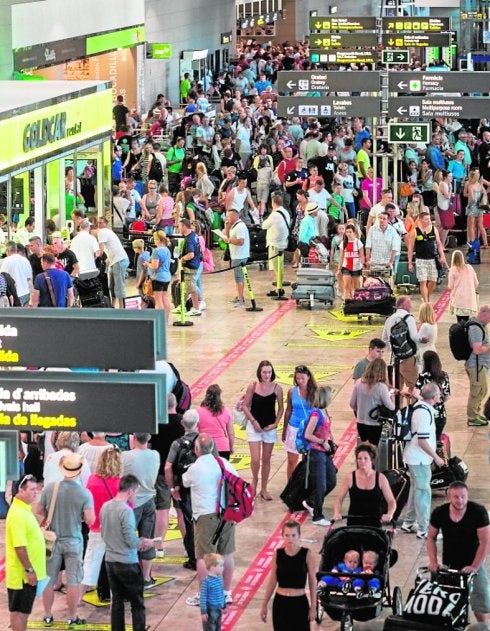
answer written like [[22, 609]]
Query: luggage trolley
[[314, 281]]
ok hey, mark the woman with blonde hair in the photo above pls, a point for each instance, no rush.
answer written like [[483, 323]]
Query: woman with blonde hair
[[427, 332], [477, 197], [369, 392], [104, 486], [463, 283], [142, 255], [150, 201], [414, 207], [159, 266], [204, 185]]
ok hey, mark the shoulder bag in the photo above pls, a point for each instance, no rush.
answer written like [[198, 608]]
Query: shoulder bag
[[50, 535], [50, 288], [292, 244]]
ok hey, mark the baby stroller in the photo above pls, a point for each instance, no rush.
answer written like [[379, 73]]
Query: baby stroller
[[344, 603], [437, 602], [89, 291]]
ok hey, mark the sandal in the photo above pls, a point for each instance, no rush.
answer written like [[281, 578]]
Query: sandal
[[75, 621]]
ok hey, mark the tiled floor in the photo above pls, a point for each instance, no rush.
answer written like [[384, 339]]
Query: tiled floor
[[224, 346]]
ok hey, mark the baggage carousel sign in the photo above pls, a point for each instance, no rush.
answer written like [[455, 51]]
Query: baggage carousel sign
[[343, 57], [82, 338], [318, 81], [343, 40], [330, 23], [434, 82], [111, 402], [404, 24], [421, 107], [416, 40], [328, 106]]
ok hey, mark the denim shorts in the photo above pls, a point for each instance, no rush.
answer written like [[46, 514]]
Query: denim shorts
[[237, 269]]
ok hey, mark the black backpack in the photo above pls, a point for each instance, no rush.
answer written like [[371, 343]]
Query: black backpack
[[185, 456], [156, 171], [182, 390], [458, 339], [402, 346]]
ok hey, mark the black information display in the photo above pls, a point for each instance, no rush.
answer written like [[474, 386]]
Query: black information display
[[331, 23], [35, 340], [401, 24], [329, 81], [417, 40], [343, 40], [32, 401]]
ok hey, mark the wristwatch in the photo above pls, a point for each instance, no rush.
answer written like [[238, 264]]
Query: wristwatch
[[30, 570]]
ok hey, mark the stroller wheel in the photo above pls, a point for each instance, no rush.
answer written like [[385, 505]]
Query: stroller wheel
[[346, 623], [319, 612], [397, 604]]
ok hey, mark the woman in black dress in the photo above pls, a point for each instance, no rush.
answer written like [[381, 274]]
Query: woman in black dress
[[366, 488], [292, 565]]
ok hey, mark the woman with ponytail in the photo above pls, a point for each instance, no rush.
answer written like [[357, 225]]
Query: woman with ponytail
[[215, 419]]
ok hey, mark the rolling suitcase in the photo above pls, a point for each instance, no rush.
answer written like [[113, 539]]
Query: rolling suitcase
[[404, 277], [296, 490], [390, 453]]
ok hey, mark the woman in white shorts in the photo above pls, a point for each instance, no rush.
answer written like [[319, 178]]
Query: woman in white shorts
[[263, 406], [300, 402]]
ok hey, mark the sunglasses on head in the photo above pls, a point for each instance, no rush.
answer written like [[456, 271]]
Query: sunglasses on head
[[302, 369], [26, 479]]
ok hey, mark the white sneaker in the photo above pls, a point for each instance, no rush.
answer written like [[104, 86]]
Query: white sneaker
[[160, 554], [307, 507], [176, 310], [228, 598], [193, 601], [408, 527], [321, 522], [193, 312], [421, 534], [202, 305], [239, 303]]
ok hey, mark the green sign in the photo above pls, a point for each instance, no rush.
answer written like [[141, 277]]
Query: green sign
[[395, 56], [409, 132], [159, 51], [115, 39]]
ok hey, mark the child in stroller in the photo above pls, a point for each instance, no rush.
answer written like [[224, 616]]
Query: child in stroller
[[350, 565]]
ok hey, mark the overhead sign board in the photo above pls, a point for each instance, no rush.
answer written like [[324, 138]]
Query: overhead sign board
[[328, 106], [318, 81], [343, 40], [343, 57], [112, 402], [403, 24], [416, 40], [433, 82], [226, 38], [158, 51], [395, 56], [76, 338], [409, 132], [424, 107], [330, 23]]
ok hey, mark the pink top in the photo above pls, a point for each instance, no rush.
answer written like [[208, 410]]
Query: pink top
[[322, 431], [167, 206], [463, 284], [215, 426], [368, 185], [101, 495]]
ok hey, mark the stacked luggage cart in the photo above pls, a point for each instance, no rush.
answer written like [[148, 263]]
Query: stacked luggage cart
[[315, 282]]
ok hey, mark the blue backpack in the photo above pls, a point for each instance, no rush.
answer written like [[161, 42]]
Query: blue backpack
[[302, 445]]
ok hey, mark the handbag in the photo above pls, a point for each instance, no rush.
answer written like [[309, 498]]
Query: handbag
[[50, 288], [50, 535], [147, 287], [455, 204]]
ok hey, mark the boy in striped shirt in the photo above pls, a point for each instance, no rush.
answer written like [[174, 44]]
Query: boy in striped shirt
[[212, 599]]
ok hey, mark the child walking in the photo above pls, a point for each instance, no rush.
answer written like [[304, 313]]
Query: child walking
[[212, 596]]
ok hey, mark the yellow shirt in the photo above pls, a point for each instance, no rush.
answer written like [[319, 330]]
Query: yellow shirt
[[22, 530], [362, 156]]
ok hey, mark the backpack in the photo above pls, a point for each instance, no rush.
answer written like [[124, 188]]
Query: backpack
[[302, 445], [402, 345], [181, 391], [458, 339], [239, 496], [185, 456], [4, 301], [156, 171], [402, 423]]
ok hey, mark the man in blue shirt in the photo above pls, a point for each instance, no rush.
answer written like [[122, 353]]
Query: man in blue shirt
[[262, 83], [54, 287], [191, 259], [434, 154]]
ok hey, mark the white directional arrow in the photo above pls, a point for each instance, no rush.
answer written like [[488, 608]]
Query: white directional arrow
[[291, 85], [400, 134], [290, 110], [402, 85], [401, 110]]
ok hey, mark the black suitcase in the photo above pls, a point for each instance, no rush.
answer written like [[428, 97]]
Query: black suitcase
[[398, 623], [297, 490], [399, 481], [390, 453], [383, 307]]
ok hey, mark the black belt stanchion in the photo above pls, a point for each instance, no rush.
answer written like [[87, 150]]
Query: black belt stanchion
[[182, 321], [250, 291]]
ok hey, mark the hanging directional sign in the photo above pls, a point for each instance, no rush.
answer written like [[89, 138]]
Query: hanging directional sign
[[423, 107], [318, 81], [328, 106], [418, 40], [433, 82], [343, 57], [343, 40], [329, 23], [401, 24], [395, 56], [158, 51], [409, 132]]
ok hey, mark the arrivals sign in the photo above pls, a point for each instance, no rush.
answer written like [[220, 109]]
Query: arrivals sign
[[75, 338], [343, 57], [403, 24], [330, 23], [416, 40], [328, 106], [343, 40], [112, 402], [434, 82], [335, 81], [425, 107], [409, 132]]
